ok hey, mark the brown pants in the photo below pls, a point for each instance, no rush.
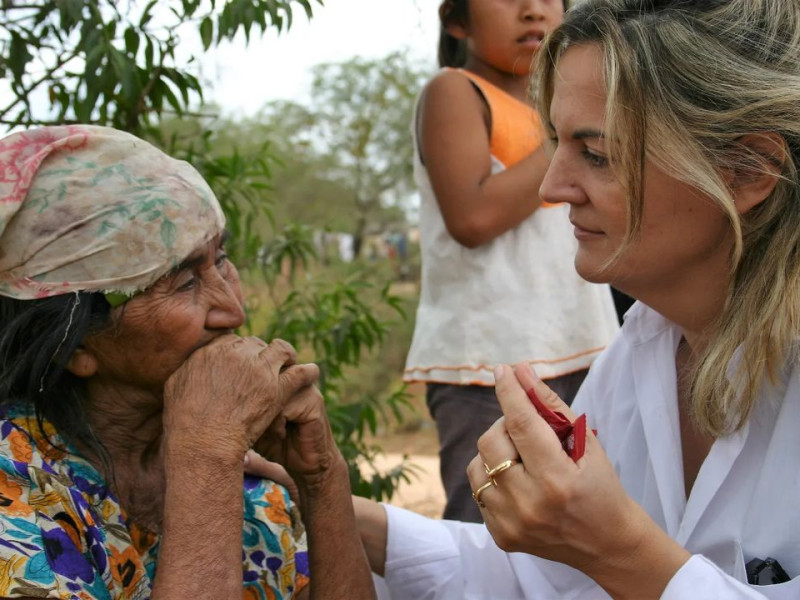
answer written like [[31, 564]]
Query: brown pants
[[462, 414]]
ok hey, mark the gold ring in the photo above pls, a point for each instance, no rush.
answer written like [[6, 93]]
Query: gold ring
[[477, 493], [506, 464]]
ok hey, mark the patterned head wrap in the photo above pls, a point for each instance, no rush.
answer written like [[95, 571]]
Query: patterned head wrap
[[85, 208]]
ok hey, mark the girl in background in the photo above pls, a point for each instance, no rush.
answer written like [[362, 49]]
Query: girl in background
[[498, 281]]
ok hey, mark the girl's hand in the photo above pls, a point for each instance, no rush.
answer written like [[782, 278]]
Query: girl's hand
[[227, 393], [573, 513]]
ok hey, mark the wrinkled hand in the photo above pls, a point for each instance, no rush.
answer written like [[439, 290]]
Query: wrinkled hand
[[300, 439], [227, 393], [549, 506], [257, 465]]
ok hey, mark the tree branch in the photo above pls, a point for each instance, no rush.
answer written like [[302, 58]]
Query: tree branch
[[26, 90]]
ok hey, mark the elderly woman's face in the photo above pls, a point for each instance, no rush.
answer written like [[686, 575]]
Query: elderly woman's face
[[157, 330]]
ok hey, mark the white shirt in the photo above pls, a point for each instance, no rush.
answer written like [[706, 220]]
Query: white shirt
[[745, 501]]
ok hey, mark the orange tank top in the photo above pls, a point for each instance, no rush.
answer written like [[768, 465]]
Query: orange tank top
[[516, 128]]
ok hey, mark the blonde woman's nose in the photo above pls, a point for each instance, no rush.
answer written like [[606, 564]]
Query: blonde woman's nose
[[559, 183]]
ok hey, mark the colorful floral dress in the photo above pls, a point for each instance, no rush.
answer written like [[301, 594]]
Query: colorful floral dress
[[64, 535]]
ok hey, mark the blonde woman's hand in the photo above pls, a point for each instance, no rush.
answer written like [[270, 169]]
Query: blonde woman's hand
[[575, 513]]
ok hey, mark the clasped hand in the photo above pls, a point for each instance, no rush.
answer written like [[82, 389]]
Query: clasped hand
[[240, 393]]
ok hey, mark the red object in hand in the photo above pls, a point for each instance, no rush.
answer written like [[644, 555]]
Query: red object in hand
[[572, 435]]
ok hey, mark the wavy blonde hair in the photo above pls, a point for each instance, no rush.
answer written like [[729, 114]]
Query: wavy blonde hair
[[686, 80]]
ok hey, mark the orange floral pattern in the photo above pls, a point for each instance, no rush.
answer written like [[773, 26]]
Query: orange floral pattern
[[11, 500], [64, 535]]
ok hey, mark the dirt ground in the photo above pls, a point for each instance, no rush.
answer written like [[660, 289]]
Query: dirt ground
[[417, 440], [424, 494]]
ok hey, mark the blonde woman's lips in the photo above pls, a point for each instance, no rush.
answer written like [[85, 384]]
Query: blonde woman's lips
[[584, 233]]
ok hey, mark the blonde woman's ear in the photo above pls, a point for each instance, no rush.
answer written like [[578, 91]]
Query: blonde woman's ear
[[753, 184], [82, 363]]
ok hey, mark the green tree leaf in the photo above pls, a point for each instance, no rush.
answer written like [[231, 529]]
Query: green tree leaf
[[207, 32]]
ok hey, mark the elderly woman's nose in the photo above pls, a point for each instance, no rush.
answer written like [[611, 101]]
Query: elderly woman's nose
[[226, 307]]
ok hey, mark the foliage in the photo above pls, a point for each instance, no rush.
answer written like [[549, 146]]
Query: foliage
[[355, 131], [339, 323], [115, 63], [239, 176]]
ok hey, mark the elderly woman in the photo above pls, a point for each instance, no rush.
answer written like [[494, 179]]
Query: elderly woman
[[676, 143], [127, 404]]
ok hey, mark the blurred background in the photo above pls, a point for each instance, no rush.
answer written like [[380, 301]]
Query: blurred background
[[297, 113]]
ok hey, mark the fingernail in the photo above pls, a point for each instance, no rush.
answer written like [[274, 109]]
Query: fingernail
[[498, 372], [533, 372], [246, 459]]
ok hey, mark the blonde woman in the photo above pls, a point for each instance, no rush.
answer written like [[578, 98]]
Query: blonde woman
[[676, 142]]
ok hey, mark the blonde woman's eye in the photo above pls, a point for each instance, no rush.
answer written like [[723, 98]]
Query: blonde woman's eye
[[594, 159]]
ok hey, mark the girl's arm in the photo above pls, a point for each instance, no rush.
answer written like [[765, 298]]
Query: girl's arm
[[453, 132]]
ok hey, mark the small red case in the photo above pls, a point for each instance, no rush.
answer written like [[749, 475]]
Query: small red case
[[572, 435]]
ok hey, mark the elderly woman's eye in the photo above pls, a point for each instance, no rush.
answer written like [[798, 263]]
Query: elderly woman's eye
[[187, 284], [222, 259]]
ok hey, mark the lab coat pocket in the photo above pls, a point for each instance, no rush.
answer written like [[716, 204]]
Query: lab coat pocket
[[780, 591], [729, 557], [775, 591]]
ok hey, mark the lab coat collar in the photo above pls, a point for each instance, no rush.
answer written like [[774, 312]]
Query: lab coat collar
[[653, 367], [642, 324], [656, 340]]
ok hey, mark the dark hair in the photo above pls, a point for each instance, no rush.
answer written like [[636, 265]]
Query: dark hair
[[37, 339], [452, 51]]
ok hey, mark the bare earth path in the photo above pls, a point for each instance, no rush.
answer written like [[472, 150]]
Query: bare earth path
[[424, 494], [416, 438]]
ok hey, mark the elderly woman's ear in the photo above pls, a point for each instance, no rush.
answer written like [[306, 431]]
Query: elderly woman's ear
[[82, 363]]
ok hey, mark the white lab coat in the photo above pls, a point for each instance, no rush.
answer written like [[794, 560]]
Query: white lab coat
[[745, 502]]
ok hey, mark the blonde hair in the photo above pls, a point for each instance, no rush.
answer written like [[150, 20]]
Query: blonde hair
[[686, 80]]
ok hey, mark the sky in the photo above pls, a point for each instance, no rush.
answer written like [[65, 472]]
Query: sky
[[241, 78], [277, 66]]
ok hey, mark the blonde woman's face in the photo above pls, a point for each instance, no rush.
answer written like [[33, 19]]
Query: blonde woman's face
[[685, 239]]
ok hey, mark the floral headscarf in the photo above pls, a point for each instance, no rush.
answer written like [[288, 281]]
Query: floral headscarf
[[86, 208]]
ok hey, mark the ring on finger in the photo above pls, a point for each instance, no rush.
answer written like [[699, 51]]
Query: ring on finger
[[476, 495], [491, 473]]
